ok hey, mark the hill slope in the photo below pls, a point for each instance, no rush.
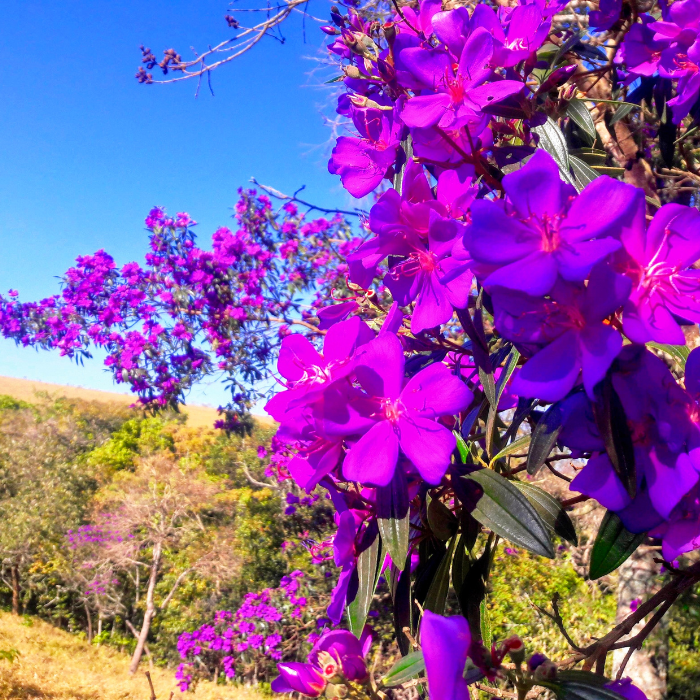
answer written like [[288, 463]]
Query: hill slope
[[55, 664], [26, 389]]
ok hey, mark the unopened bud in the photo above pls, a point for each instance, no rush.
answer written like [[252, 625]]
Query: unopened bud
[[389, 29], [536, 660], [546, 671], [331, 31], [352, 71], [516, 649]]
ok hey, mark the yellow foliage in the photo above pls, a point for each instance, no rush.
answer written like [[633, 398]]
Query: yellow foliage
[[58, 665]]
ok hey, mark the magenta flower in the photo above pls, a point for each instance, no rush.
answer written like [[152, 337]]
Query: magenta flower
[[363, 162], [659, 260], [308, 373], [445, 642], [459, 94], [337, 655], [544, 230], [435, 280], [570, 326], [404, 417], [627, 689]]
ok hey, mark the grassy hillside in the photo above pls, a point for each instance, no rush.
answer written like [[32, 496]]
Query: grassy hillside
[[26, 390], [55, 664]]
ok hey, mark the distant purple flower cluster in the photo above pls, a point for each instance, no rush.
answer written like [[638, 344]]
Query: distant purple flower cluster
[[252, 634], [188, 311], [101, 533]]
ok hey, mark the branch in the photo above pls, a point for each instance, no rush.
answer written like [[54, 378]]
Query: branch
[[170, 595], [254, 481], [310, 326], [293, 198]]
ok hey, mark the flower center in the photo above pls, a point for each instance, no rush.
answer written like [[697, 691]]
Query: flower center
[[549, 230], [392, 410]]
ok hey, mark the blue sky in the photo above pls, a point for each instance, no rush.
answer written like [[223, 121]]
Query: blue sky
[[86, 150]]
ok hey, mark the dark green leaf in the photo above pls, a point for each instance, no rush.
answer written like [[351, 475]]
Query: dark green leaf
[[506, 511], [473, 591], [460, 565], [511, 364], [552, 140], [550, 510], [462, 447], [440, 585], [426, 572], [514, 446], [544, 437], [392, 516], [337, 79], [367, 577], [489, 384], [581, 685], [407, 146], [441, 519], [578, 112], [402, 606], [621, 112], [406, 668], [614, 543], [611, 421], [584, 174]]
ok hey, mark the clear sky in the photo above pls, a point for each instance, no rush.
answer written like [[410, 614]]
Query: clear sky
[[85, 151]]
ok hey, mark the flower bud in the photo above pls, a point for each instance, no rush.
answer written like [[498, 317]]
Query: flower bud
[[331, 31], [352, 71], [515, 648], [536, 660], [546, 671]]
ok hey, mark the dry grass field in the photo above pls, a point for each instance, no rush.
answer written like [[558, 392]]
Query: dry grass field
[[26, 389], [57, 665]]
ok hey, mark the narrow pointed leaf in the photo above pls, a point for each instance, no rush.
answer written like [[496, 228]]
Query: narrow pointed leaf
[[613, 545], [544, 437], [406, 668], [485, 625], [368, 575], [392, 516], [578, 113], [460, 565], [679, 353], [550, 510], [437, 593], [583, 172], [515, 446], [441, 519], [508, 513]]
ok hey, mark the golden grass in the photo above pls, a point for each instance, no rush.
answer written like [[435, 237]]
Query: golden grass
[[55, 664], [26, 390]]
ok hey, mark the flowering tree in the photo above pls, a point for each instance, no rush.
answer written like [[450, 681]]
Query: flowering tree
[[521, 295]]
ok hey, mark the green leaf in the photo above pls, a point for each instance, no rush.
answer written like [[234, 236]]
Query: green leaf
[[581, 685], [406, 668], [337, 79], [621, 112], [440, 585], [614, 543], [584, 174], [462, 447], [407, 145], [506, 511], [678, 352], [544, 438], [611, 421], [552, 140], [511, 364], [460, 565], [393, 516], [578, 113], [550, 510], [368, 575], [590, 156], [489, 384], [514, 446], [441, 519]]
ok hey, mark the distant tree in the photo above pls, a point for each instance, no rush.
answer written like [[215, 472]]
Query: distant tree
[[154, 521], [45, 484]]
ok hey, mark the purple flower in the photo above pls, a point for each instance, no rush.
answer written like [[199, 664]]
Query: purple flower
[[606, 15], [445, 642], [297, 677], [544, 230], [363, 162], [403, 416], [435, 280], [459, 93], [627, 689], [570, 328], [659, 260], [308, 372]]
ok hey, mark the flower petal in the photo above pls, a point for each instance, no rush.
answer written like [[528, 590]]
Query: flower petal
[[372, 459], [427, 444]]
